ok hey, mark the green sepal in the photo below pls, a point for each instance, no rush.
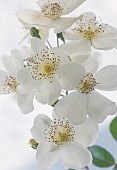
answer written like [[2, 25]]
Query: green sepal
[[35, 32], [60, 36], [33, 143]]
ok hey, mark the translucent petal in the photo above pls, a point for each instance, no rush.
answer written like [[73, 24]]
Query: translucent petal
[[25, 102], [107, 78], [47, 155], [87, 132], [41, 122], [48, 91], [75, 156], [99, 107], [70, 75], [72, 106]]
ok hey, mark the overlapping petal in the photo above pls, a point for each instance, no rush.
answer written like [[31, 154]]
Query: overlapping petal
[[98, 107], [29, 16], [37, 45], [77, 47], [72, 106], [14, 62], [47, 155], [87, 132], [25, 102], [40, 123], [48, 91], [60, 27], [69, 75], [107, 78], [75, 156]]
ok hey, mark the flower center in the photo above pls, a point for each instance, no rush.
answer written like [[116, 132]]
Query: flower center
[[59, 132], [10, 85], [52, 10], [89, 28], [48, 68], [87, 84], [43, 66]]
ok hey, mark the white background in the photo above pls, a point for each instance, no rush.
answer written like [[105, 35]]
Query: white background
[[15, 153]]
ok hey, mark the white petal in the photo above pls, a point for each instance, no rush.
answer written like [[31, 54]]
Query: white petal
[[69, 34], [70, 75], [49, 90], [109, 31], [44, 34], [77, 47], [75, 156], [87, 16], [69, 5], [14, 62], [79, 58], [25, 102], [41, 3], [72, 106], [103, 43], [98, 107], [92, 63], [37, 45], [27, 34], [47, 155], [28, 16], [33, 17], [3, 78], [87, 132], [26, 52], [107, 78], [26, 83], [41, 122], [61, 53], [24, 76], [60, 27]]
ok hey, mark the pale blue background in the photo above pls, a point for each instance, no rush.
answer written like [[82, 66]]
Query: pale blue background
[[15, 153]]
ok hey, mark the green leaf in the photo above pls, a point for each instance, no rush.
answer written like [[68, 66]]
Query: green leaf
[[35, 32], [113, 128], [101, 157], [60, 36]]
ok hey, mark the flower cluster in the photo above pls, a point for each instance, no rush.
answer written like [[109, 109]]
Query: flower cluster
[[67, 77]]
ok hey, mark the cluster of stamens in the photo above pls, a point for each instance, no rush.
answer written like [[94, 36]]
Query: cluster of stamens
[[87, 84], [59, 132], [89, 28], [52, 10], [43, 66], [10, 85]]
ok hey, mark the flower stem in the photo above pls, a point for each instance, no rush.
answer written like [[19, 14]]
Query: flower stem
[[49, 44], [57, 42], [87, 168]]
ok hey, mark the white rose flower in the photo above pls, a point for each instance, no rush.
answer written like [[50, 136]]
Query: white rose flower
[[17, 79], [51, 70], [86, 100], [60, 139], [49, 16], [90, 31]]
